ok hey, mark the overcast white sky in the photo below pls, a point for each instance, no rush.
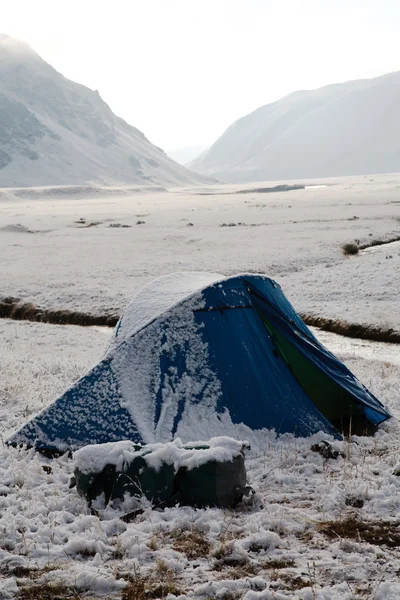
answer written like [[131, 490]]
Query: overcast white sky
[[183, 70]]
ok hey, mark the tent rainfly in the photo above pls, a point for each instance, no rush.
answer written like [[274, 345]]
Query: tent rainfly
[[197, 355]]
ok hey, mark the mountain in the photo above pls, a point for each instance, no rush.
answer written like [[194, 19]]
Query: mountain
[[351, 128], [56, 132], [185, 155]]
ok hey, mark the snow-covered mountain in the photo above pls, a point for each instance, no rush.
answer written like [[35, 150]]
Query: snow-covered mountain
[[55, 132], [351, 128]]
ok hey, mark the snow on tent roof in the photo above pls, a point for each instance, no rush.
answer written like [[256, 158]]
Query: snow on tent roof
[[157, 297], [195, 356]]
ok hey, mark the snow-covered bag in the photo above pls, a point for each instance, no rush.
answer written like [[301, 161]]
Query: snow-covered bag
[[198, 474]]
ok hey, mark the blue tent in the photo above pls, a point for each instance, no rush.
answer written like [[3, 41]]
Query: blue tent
[[197, 355]]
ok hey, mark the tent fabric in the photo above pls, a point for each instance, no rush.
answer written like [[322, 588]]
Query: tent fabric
[[231, 356]]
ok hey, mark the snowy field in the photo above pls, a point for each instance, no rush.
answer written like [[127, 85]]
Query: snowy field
[[92, 249], [300, 538], [294, 541]]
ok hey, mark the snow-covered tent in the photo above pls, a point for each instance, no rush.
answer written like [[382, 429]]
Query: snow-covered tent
[[197, 355]]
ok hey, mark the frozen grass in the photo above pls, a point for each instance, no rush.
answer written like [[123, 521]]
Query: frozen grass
[[192, 543], [45, 591], [159, 583], [38, 362], [316, 528]]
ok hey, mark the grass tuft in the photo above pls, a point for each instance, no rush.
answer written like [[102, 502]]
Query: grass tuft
[[350, 249]]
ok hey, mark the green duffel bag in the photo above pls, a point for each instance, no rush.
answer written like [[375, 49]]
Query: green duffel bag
[[213, 483], [200, 474]]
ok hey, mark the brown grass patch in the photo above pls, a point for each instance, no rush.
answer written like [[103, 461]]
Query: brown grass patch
[[378, 533], [238, 572], [46, 591], [224, 550], [279, 563], [154, 542], [22, 572], [291, 582], [225, 558], [27, 572], [192, 543], [143, 590], [160, 583]]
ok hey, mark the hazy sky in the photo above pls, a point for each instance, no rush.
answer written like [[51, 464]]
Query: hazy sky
[[183, 70]]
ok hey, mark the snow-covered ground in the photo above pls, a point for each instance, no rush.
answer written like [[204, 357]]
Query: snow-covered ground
[[294, 541], [301, 537], [52, 257]]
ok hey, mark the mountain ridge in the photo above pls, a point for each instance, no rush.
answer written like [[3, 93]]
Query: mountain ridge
[[337, 130], [54, 131]]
